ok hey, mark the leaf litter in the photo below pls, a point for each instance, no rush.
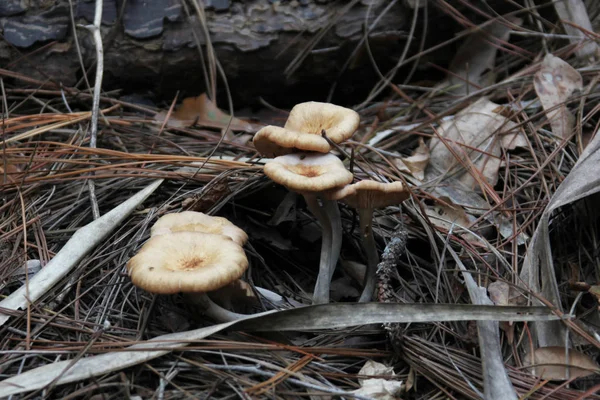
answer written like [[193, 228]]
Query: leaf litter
[[495, 201]]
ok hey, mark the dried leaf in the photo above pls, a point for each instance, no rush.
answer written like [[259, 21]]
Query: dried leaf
[[378, 388], [499, 293], [554, 83], [476, 204], [538, 267], [202, 111], [503, 294], [417, 162], [382, 135], [496, 383], [576, 23], [448, 214], [324, 316], [471, 67], [84, 240], [476, 136], [551, 363]]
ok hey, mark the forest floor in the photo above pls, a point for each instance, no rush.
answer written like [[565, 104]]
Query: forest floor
[[498, 266]]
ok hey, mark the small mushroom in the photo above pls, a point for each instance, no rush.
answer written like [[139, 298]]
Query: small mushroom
[[364, 196], [276, 141], [192, 221], [303, 129], [312, 117], [312, 175], [189, 262]]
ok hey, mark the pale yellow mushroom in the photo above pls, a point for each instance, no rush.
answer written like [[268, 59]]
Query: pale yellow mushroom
[[192, 221], [313, 175], [304, 127], [189, 262], [364, 196]]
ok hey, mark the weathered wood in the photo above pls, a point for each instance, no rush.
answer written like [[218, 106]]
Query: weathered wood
[[153, 47]]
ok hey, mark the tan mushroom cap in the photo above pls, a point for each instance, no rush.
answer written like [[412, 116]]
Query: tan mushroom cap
[[371, 194], [308, 172], [276, 141], [192, 221], [302, 130], [187, 262], [312, 117]]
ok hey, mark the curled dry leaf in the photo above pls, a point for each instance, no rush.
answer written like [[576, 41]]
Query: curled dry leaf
[[202, 111], [379, 388], [445, 214], [9, 172], [554, 83], [551, 363], [416, 163], [503, 294], [538, 271], [474, 140]]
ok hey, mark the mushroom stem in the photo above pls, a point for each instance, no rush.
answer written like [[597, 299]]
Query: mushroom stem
[[212, 309], [321, 292], [333, 211], [366, 231]]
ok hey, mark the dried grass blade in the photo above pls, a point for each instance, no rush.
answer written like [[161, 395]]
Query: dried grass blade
[[496, 383], [326, 316], [80, 244], [538, 267]]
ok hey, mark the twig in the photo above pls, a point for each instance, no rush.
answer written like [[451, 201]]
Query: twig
[[96, 35]]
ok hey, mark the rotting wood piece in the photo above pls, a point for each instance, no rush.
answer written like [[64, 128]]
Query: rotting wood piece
[[153, 46]]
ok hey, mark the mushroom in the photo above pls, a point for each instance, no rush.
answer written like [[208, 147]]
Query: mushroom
[[312, 175], [364, 196], [276, 141], [189, 262], [303, 129], [192, 221]]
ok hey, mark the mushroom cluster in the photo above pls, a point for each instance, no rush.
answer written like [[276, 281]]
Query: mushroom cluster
[[193, 253], [303, 163]]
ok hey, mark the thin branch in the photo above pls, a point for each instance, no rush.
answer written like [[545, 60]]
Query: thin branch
[[97, 36]]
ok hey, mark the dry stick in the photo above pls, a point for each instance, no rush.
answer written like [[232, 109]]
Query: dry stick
[[96, 35]]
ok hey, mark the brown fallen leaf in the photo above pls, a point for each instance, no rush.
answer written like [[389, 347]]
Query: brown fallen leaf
[[446, 215], [202, 111], [550, 363], [11, 172], [554, 83], [476, 136], [416, 163], [503, 294]]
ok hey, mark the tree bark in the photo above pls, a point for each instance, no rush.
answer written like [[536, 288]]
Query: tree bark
[[264, 47]]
